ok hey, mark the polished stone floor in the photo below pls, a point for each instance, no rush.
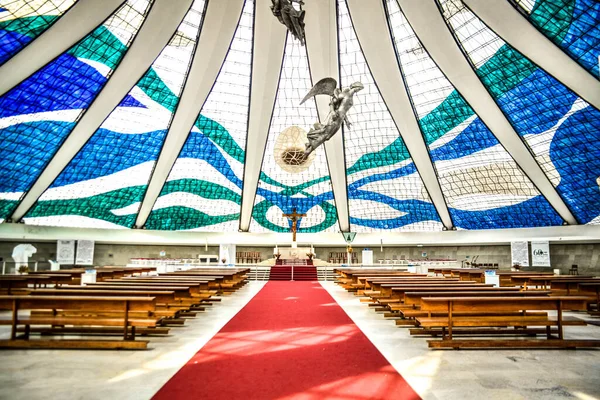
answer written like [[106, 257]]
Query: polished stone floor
[[439, 374], [480, 374]]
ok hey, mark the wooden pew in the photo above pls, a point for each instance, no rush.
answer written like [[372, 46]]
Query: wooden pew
[[164, 300], [361, 282], [169, 309], [91, 304], [203, 284], [397, 291], [182, 290], [411, 308], [413, 299], [383, 286], [569, 286], [351, 277], [187, 299], [506, 276], [593, 288], [481, 305]]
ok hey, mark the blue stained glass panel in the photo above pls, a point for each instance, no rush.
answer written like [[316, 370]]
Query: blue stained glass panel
[[482, 185], [385, 190], [107, 179], [540, 109], [23, 21], [40, 112]]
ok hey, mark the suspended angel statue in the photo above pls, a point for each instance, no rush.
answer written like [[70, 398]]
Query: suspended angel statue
[[290, 17], [340, 104]]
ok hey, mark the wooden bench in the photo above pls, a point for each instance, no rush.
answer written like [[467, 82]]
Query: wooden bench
[[202, 284], [570, 286], [411, 308], [481, 305], [398, 292], [506, 276], [92, 304], [413, 299], [182, 290], [591, 288], [385, 287]]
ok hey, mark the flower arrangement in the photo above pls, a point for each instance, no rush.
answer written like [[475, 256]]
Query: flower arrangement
[[23, 269]]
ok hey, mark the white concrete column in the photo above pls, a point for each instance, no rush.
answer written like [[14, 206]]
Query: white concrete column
[[322, 49], [267, 60], [155, 33], [370, 24], [218, 28]]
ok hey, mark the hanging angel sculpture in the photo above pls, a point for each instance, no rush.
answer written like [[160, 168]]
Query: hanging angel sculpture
[[290, 17], [340, 104]]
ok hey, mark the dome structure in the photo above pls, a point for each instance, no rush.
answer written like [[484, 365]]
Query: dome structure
[[475, 114]]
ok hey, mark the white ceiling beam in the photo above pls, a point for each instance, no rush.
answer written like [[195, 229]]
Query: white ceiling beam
[[218, 28], [267, 60], [510, 25], [322, 49], [432, 31], [24, 233], [370, 24], [77, 22], [160, 24]]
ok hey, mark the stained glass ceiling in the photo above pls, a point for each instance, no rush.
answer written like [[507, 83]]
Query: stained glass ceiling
[[483, 185]]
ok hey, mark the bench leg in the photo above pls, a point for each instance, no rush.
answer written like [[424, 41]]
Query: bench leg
[[450, 307], [559, 321], [15, 317], [126, 320]]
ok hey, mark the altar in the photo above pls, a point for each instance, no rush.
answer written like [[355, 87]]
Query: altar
[[294, 253]]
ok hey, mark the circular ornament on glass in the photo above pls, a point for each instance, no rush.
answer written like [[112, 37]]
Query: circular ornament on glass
[[289, 150]]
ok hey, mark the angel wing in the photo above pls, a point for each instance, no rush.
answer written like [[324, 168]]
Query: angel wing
[[324, 86]]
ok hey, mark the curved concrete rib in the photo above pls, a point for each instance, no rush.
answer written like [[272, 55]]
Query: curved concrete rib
[[157, 29], [371, 28], [429, 26], [218, 28], [77, 22], [269, 46], [322, 49], [501, 17]]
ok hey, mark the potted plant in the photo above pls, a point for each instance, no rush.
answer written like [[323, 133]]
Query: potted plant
[[277, 256], [310, 255], [23, 270]]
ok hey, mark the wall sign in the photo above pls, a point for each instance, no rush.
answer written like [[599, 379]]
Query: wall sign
[[540, 254], [65, 252], [519, 253], [85, 252]]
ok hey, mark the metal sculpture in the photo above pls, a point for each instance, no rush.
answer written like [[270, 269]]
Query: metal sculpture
[[341, 102], [288, 15]]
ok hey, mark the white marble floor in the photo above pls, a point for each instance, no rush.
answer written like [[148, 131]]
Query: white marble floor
[[480, 374], [91, 374], [439, 374]]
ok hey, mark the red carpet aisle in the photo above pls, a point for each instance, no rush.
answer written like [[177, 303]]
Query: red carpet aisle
[[291, 341]]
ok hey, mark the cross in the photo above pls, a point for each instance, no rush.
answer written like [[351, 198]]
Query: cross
[[294, 216]]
